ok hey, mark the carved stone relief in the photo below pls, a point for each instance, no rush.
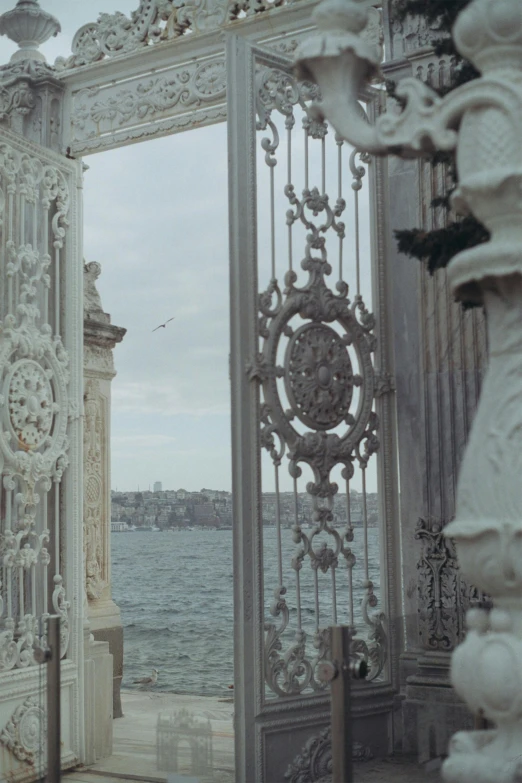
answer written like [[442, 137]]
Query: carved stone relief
[[101, 110], [92, 306], [35, 405], [444, 597], [94, 430], [152, 23], [25, 730], [314, 763], [30, 101], [100, 337], [410, 36]]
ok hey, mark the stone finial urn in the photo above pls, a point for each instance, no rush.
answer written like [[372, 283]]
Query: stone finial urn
[[29, 26]]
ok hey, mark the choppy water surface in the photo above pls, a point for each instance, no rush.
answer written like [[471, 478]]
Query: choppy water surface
[[175, 595]]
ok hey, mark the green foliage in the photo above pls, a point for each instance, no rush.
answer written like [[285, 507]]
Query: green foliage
[[437, 248]]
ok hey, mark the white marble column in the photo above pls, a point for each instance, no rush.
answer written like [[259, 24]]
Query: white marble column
[[100, 338], [440, 358]]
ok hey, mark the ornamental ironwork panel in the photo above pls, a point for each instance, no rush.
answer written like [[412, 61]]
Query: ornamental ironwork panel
[[35, 399], [315, 369]]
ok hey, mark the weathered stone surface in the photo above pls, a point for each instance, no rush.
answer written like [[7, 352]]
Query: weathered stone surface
[[100, 337]]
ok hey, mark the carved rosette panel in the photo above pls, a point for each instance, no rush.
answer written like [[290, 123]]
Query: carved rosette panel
[[25, 732], [314, 763], [34, 379], [444, 596], [316, 373], [93, 491]]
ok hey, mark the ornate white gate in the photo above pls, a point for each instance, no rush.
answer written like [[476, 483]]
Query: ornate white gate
[[311, 390], [40, 441], [311, 386]]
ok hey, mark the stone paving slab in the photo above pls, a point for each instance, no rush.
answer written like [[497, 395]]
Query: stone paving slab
[[134, 758]]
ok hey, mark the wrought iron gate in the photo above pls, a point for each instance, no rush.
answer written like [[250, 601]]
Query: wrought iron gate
[[311, 385], [311, 420]]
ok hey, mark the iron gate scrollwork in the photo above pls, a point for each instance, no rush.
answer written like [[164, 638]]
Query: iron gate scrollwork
[[316, 372]]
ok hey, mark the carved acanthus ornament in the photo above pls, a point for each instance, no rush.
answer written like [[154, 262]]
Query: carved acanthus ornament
[[193, 85], [155, 21], [314, 763], [27, 75], [444, 597], [93, 489], [481, 116]]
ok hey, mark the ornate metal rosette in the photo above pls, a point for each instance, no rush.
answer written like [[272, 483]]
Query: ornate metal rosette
[[35, 393], [319, 376], [31, 408]]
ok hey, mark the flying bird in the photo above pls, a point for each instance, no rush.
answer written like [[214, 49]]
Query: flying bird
[[162, 326], [148, 682]]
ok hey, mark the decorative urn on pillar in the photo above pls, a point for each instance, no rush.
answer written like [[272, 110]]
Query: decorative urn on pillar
[[28, 25], [481, 121]]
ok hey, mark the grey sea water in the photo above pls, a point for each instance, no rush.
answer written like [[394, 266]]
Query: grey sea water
[[175, 592]]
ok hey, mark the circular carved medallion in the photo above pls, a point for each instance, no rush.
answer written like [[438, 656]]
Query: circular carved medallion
[[30, 729], [319, 376], [30, 403], [210, 78]]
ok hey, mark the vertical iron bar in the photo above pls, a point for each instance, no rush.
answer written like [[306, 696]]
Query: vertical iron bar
[[341, 706], [53, 700]]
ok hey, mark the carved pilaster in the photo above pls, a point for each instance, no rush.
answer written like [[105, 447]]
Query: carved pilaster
[[100, 338], [440, 358]]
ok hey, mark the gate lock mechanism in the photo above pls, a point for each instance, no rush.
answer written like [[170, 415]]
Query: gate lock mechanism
[[328, 671]]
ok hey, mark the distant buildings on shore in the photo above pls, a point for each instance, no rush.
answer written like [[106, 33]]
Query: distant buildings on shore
[[211, 508], [158, 486]]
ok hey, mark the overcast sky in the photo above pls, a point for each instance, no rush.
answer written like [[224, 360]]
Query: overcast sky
[[156, 219]]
